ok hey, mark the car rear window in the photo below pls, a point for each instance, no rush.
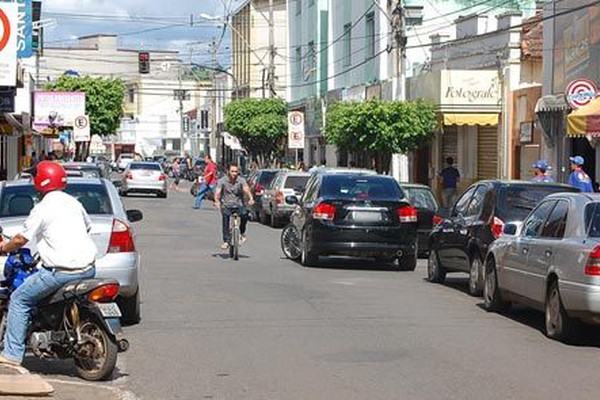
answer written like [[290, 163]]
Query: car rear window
[[126, 156], [421, 198], [152, 167], [353, 187], [17, 201], [296, 182], [516, 202], [592, 219], [266, 177], [86, 172]]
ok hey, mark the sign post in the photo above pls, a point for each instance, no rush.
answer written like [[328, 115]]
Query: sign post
[[9, 15], [81, 129]]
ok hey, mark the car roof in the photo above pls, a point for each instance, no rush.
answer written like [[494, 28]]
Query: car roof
[[80, 164], [70, 179], [328, 170], [513, 182], [144, 163], [414, 185]]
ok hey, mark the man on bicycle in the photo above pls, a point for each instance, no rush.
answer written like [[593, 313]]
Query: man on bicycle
[[229, 197]]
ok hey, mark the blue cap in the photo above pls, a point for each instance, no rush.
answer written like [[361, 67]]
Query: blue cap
[[577, 160], [541, 165]]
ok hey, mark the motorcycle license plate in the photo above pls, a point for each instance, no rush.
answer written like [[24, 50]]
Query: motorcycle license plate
[[109, 310]]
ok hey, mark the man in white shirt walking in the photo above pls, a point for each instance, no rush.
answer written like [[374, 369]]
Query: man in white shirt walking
[[60, 227]]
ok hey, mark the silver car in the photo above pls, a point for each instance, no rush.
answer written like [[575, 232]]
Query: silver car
[[273, 208], [550, 262], [144, 177], [112, 231]]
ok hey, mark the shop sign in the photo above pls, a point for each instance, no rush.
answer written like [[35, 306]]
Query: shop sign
[[7, 98], [470, 89], [8, 44], [296, 130], [57, 109], [23, 27], [580, 92]]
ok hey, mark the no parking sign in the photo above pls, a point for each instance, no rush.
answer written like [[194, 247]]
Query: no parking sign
[[81, 129]]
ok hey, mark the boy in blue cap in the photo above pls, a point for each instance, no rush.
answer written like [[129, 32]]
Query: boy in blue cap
[[539, 172], [578, 177]]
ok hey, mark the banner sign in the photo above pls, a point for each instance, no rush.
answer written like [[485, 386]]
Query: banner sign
[[580, 92], [8, 44], [7, 98], [57, 109], [296, 130], [81, 129], [24, 27]]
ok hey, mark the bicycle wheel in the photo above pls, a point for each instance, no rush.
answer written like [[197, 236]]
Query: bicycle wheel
[[235, 238], [290, 242]]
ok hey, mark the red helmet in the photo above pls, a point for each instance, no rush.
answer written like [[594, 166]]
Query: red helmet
[[50, 176]]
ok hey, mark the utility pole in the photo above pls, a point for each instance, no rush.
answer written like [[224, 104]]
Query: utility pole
[[271, 77], [213, 106], [181, 95], [399, 161]]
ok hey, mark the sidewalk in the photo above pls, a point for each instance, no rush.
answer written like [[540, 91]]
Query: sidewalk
[[63, 389]]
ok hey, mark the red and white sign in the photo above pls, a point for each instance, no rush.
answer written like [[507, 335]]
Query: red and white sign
[[580, 92], [296, 130], [81, 129], [9, 13]]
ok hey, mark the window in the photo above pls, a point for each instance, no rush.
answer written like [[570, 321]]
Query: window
[[476, 204], [592, 219], [298, 7], [131, 94], [361, 188], [557, 221], [144, 166], [296, 182], [534, 223], [370, 36], [461, 205], [421, 198], [311, 190], [347, 43], [516, 201]]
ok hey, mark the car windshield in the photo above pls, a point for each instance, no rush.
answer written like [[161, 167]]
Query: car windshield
[[296, 182], [17, 201], [516, 202], [148, 166], [361, 188], [421, 198]]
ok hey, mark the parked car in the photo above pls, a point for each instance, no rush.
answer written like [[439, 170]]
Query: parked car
[[421, 197], [355, 214], [104, 164], [258, 181], [273, 208], [460, 242], [144, 177], [123, 160], [112, 231], [88, 170], [550, 262]]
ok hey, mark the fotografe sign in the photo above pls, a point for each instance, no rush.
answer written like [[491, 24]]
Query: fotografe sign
[[8, 44], [23, 28]]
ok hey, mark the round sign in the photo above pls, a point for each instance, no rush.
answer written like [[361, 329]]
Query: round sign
[[5, 31], [580, 92], [296, 118], [81, 122]]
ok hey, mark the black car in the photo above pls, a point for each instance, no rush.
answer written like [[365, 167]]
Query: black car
[[258, 181], [460, 242], [421, 197], [357, 215]]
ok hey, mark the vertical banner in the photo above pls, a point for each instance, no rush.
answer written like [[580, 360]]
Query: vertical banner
[[23, 27], [295, 130], [8, 44]]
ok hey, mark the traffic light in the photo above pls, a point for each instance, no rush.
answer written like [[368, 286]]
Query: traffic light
[[144, 62]]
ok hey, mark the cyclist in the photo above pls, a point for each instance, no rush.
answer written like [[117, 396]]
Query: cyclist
[[229, 197]]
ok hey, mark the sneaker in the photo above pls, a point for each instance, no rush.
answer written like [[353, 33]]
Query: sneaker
[[224, 246], [6, 361], [243, 239]]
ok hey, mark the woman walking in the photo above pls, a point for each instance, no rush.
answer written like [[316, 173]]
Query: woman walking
[[176, 175]]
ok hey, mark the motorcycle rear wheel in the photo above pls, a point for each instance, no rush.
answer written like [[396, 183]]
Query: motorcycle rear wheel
[[100, 358]]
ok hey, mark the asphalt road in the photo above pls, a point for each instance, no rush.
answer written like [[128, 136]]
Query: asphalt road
[[268, 328]]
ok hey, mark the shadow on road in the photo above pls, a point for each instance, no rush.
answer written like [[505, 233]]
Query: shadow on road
[[65, 368], [456, 282], [225, 256], [354, 264]]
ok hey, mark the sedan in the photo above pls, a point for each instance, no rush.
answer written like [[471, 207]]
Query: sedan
[[144, 177], [112, 231], [88, 170], [550, 262]]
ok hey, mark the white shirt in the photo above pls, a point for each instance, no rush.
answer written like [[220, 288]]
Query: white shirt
[[60, 228]]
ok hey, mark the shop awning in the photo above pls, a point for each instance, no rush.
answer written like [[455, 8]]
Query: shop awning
[[470, 119], [585, 121]]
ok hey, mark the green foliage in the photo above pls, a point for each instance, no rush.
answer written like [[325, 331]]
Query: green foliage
[[259, 124], [380, 128], [103, 100]]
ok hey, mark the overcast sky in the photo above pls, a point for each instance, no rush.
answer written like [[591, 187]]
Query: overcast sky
[[144, 24]]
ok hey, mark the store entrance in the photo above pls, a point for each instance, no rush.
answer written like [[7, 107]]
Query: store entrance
[[581, 147]]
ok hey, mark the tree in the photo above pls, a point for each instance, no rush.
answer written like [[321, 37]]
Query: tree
[[259, 124], [380, 128], [103, 100]]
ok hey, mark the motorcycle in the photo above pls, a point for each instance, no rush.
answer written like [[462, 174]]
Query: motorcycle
[[79, 321]]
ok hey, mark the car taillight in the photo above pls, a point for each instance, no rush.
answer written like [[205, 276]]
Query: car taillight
[[259, 189], [104, 293], [324, 211], [129, 175], [407, 214], [592, 267], [497, 227], [279, 197], [121, 239], [437, 220], [162, 177]]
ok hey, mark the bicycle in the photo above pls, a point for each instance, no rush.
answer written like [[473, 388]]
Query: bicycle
[[234, 229]]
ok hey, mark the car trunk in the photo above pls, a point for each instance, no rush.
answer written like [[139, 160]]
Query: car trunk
[[366, 213], [145, 175]]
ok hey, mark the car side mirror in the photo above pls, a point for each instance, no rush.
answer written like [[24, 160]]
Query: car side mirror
[[134, 215], [291, 200], [512, 228]]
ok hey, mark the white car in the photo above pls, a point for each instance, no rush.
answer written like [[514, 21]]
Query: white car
[[124, 160]]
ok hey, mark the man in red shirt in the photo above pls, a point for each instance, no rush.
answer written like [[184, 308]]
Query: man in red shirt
[[207, 182]]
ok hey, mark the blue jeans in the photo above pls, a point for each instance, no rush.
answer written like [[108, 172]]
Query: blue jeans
[[227, 216], [23, 301], [202, 192]]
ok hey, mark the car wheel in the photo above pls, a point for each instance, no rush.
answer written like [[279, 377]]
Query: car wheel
[[408, 262], [308, 258], [435, 272], [559, 325], [474, 276], [130, 306], [491, 292], [290, 242]]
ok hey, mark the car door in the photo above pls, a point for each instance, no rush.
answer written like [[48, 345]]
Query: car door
[[449, 233], [516, 271], [469, 227], [543, 250], [304, 208]]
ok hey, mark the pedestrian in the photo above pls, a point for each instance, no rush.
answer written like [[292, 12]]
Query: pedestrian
[[450, 179], [539, 172], [176, 168], [302, 166], [209, 181], [578, 177]]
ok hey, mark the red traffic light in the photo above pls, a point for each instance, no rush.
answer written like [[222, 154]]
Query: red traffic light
[[144, 56]]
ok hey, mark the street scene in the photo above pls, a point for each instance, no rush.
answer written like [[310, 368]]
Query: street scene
[[287, 199]]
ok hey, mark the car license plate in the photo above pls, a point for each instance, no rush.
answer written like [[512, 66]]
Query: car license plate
[[366, 216], [109, 310]]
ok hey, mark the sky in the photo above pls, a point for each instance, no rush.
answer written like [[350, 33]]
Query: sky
[[143, 24]]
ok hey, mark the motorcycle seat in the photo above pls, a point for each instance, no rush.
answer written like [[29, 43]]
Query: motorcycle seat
[[74, 289]]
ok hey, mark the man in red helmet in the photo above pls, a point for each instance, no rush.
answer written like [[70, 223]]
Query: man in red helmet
[[60, 227]]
